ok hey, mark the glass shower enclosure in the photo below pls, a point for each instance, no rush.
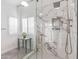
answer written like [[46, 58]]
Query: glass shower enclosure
[[52, 25]]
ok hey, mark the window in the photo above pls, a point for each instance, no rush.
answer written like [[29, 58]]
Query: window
[[31, 25], [13, 25], [28, 25], [24, 25]]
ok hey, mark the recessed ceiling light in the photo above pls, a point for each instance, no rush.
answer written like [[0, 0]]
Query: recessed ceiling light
[[41, 14], [24, 3]]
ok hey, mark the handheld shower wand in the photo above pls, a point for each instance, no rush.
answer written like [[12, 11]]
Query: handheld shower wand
[[68, 39]]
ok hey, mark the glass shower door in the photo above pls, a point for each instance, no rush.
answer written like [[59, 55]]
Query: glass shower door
[[27, 21], [55, 30]]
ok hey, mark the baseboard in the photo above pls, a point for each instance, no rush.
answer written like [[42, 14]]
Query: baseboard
[[7, 50]]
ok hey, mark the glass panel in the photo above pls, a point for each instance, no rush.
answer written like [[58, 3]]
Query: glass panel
[[31, 30], [24, 25], [26, 15], [31, 25], [56, 42]]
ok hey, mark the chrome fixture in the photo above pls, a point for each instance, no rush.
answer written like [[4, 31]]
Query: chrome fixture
[[56, 4], [68, 38]]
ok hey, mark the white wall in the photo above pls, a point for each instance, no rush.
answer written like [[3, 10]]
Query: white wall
[[8, 41]]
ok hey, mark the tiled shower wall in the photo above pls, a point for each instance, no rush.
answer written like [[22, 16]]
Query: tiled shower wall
[[47, 5]]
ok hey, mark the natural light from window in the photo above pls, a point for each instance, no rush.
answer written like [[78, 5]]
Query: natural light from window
[[13, 25]]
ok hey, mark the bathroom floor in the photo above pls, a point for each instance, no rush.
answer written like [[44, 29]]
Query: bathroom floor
[[14, 54], [44, 54]]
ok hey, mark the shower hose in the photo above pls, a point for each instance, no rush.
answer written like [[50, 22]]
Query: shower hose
[[68, 42], [68, 38]]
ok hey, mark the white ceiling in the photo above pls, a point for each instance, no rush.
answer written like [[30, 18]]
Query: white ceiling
[[49, 6], [14, 2]]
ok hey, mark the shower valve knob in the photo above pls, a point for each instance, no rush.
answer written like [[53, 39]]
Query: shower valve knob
[[37, 0], [62, 22], [70, 19], [70, 25]]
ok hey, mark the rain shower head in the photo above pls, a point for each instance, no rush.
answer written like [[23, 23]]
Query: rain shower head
[[56, 4]]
